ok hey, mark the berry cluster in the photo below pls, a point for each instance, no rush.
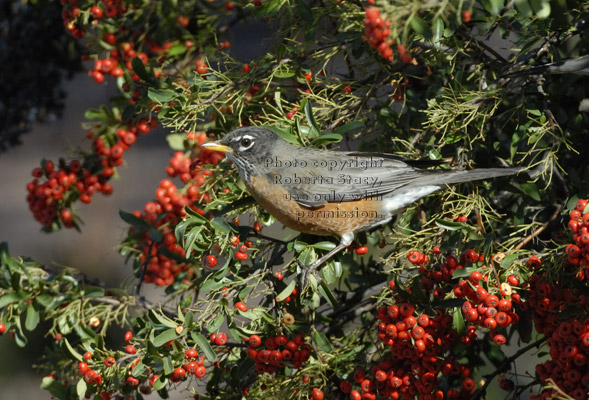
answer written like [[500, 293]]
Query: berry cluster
[[493, 311], [194, 366], [278, 352], [568, 339], [578, 252], [50, 199], [377, 31], [167, 210], [112, 65], [419, 357]]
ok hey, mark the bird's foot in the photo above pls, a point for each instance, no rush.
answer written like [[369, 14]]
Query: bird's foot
[[306, 271]]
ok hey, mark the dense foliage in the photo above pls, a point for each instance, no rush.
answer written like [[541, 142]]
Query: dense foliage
[[423, 307], [36, 53]]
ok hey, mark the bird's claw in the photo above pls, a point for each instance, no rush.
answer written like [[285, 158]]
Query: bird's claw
[[306, 271]]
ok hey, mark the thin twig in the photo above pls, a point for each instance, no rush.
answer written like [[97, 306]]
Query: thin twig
[[504, 366], [540, 229]]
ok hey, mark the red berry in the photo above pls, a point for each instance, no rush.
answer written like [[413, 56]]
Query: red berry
[[573, 251], [87, 355], [132, 381], [317, 394], [221, 339], [241, 255], [96, 12], [83, 368], [240, 306], [255, 341], [380, 375], [492, 301], [128, 336], [361, 250], [179, 373], [471, 256], [513, 280], [499, 340], [109, 361], [475, 277], [468, 384], [130, 349], [211, 261]]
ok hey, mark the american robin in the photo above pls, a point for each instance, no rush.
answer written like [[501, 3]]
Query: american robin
[[325, 192]]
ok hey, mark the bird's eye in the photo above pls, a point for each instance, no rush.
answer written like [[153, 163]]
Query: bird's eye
[[245, 142]]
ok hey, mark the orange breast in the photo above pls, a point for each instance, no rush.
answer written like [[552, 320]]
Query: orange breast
[[329, 219]]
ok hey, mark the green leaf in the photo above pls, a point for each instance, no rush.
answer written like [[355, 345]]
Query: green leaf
[[161, 319], [161, 95], [328, 138], [420, 26], [44, 300], [325, 245], [322, 341], [524, 8], [138, 370], [311, 119], [350, 126], [458, 321], [508, 260], [92, 291], [531, 190], [284, 73], [176, 141], [287, 291], [32, 318], [140, 70], [128, 113], [541, 8], [462, 272], [54, 387], [218, 321], [448, 303], [81, 388], [220, 225], [160, 383], [328, 274], [67, 347], [165, 337], [328, 295], [176, 49], [496, 6], [9, 298], [96, 115], [204, 345], [289, 137], [438, 32], [449, 225], [188, 318], [133, 220], [168, 366]]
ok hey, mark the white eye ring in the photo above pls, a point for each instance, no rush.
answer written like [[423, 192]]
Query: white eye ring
[[245, 143]]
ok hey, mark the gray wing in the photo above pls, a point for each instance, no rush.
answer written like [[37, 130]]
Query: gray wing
[[322, 177], [343, 176]]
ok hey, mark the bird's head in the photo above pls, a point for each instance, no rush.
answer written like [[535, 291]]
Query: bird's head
[[248, 148]]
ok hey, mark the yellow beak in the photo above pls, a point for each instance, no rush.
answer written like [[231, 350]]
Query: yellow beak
[[217, 147]]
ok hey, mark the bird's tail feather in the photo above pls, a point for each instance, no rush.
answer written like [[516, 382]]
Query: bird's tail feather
[[453, 177]]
